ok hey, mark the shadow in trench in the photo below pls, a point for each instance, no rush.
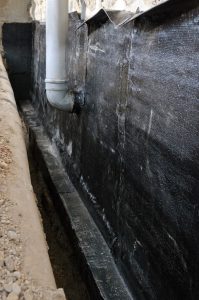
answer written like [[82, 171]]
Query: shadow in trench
[[61, 251]]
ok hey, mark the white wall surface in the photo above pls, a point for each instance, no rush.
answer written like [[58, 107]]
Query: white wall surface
[[92, 6], [14, 10]]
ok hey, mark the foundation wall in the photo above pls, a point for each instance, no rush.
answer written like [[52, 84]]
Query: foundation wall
[[132, 153]]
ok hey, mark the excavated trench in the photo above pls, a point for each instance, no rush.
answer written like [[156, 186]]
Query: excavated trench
[[62, 254]]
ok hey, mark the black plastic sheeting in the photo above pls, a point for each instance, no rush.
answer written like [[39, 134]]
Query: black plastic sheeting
[[17, 41], [132, 152]]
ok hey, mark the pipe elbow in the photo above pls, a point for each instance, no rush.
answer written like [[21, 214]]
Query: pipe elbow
[[61, 101], [59, 97]]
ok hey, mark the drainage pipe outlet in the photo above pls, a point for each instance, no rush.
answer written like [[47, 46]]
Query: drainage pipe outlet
[[57, 92]]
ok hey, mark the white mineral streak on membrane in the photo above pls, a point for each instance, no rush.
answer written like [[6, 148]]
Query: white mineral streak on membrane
[[178, 250], [96, 48], [90, 7], [148, 170], [150, 122], [70, 148], [86, 189]]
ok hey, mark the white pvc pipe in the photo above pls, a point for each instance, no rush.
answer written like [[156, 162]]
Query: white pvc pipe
[[56, 39]]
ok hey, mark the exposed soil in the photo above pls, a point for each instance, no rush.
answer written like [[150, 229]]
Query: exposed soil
[[14, 284], [61, 252], [5, 157], [25, 270]]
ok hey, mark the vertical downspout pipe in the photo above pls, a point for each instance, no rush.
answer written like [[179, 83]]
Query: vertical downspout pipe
[[56, 40]]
